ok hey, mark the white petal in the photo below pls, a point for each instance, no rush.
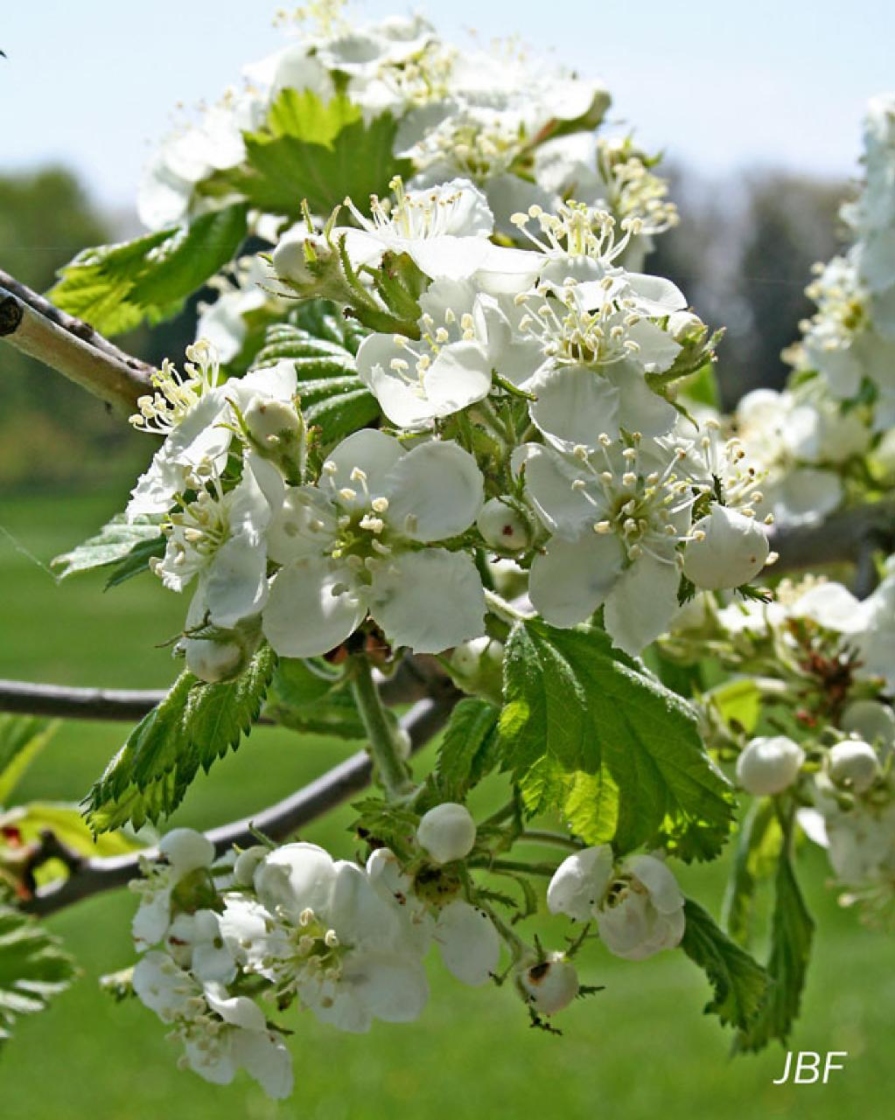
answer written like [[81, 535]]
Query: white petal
[[296, 877], [459, 376], [429, 601], [574, 404], [663, 888], [468, 942], [264, 1056], [435, 491], [579, 883], [573, 578], [240, 1011], [311, 609], [549, 477], [640, 409], [642, 603], [370, 451]]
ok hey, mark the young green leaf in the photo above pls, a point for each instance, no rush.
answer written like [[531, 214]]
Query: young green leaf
[[116, 287], [22, 738], [193, 726], [33, 968], [792, 931], [758, 849], [469, 747], [586, 707], [740, 983], [129, 544], [314, 150]]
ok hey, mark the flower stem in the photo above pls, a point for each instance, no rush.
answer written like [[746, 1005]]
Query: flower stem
[[505, 610], [536, 836], [393, 772]]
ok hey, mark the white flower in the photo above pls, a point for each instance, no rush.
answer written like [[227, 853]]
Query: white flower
[[447, 832], [769, 765], [467, 941], [320, 929], [352, 545], [182, 852], [617, 514], [638, 906], [444, 229], [448, 368]]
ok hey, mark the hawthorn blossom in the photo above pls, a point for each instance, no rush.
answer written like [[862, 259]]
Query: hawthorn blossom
[[637, 904], [617, 515], [361, 541], [320, 931]]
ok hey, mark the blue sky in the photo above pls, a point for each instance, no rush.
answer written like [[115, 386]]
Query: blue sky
[[719, 85]]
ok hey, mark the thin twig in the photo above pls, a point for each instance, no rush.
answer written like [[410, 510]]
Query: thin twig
[[96, 876], [36, 328], [845, 537], [414, 679]]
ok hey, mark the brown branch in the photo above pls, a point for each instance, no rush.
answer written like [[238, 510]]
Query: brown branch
[[415, 678], [35, 327], [95, 876], [851, 536]]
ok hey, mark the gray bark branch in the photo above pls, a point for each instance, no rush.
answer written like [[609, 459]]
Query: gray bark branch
[[35, 327]]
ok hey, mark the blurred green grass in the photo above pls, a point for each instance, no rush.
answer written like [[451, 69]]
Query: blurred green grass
[[638, 1050]]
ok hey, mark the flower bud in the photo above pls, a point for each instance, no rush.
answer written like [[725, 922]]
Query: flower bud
[[447, 832], [502, 527], [186, 850], [854, 765], [769, 765], [297, 251], [685, 327], [213, 661], [871, 721], [477, 667], [550, 985], [270, 421], [726, 550]]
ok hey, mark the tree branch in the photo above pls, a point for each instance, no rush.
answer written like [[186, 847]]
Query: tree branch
[[95, 876], [847, 537], [35, 327], [415, 678]]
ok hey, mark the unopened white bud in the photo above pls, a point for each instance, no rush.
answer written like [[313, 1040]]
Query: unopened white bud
[[728, 550], [684, 327], [267, 419], [290, 258], [502, 527], [447, 832], [247, 863], [769, 765], [213, 661], [551, 984], [854, 765], [186, 850]]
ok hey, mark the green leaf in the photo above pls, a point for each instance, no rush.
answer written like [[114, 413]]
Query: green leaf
[[758, 849], [738, 703], [321, 151], [193, 726], [322, 345], [740, 983], [300, 699], [22, 738], [792, 931], [129, 544], [33, 968], [469, 747], [584, 706], [116, 287]]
